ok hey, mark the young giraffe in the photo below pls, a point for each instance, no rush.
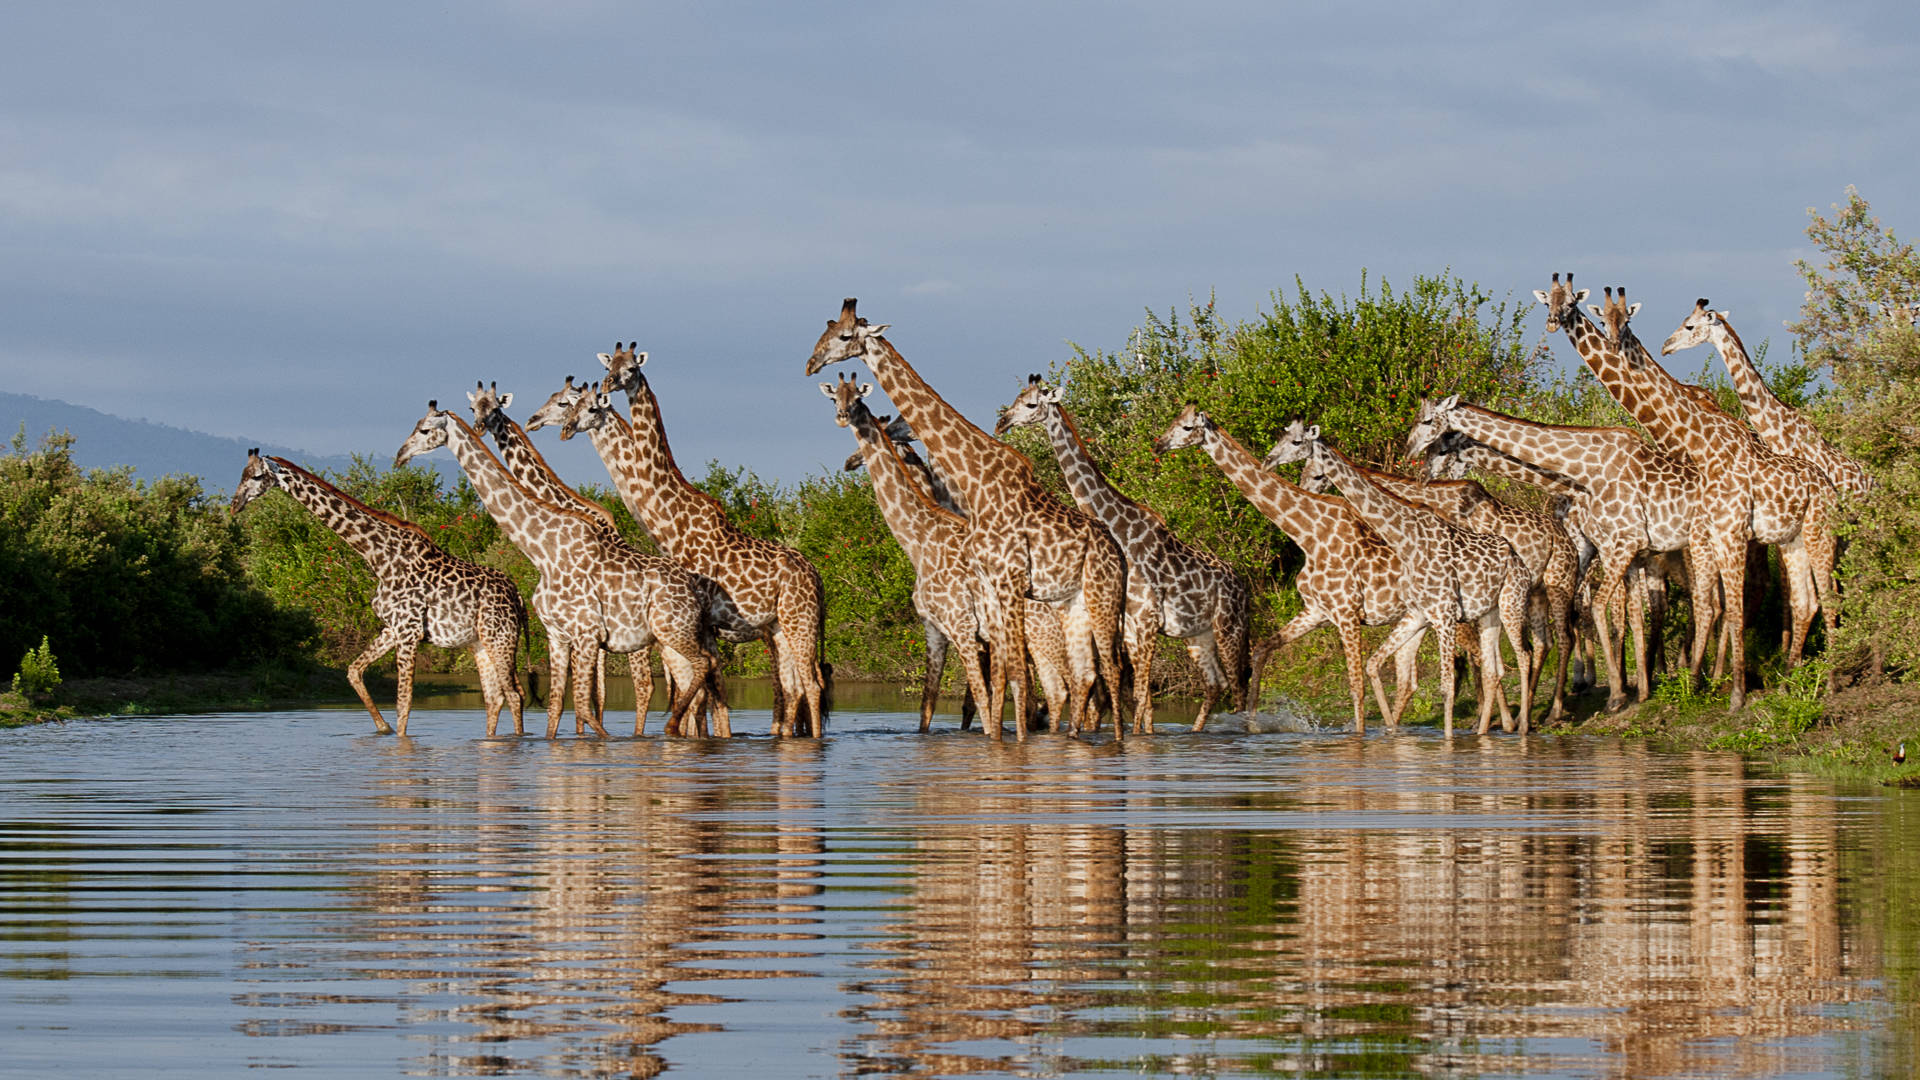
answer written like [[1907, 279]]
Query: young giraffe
[[775, 589], [1785, 430], [1023, 542], [1747, 492], [1540, 541], [1189, 593], [1453, 575], [421, 592], [1351, 577], [1629, 498], [530, 467], [592, 594], [1047, 644]]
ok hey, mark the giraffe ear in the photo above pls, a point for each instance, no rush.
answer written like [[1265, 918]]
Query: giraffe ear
[[1450, 401], [473, 397], [1633, 309], [606, 361], [1597, 312], [858, 458], [1051, 395], [639, 359], [506, 400], [1313, 432], [1581, 295], [1722, 315], [1540, 295], [866, 388], [826, 388], [873, 331]]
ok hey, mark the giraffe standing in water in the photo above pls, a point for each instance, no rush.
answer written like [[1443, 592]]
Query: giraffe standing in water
[[421, 592], [1023, 543], [592, 594], [1188, 594]]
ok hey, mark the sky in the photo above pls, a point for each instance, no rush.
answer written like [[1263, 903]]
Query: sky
[[297, 223]]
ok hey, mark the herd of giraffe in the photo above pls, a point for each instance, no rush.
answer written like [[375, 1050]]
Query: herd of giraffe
[[1029, 587]]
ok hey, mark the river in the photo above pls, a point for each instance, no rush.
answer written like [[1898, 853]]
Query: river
[[217, 894]]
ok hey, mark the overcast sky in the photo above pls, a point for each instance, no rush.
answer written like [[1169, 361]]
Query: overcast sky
[[299, 222]]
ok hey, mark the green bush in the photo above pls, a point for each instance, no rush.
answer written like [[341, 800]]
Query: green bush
[[39, 674]]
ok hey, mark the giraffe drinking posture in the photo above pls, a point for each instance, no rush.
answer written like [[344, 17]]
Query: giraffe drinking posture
[[421, 592], [1023, 543], [1187, 593]]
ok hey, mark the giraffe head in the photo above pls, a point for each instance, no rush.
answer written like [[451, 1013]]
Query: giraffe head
[[1435, 416], [1029, 408], [1563, 303], [591, 410], [1191, 428], [846, 338], [1614, 314], [1446, 456], [489, 408], [623, 366], [1694, 329], [1314, 475], [558, 402], [429, 434], [1295, 444], [258, 478], [845, 393]]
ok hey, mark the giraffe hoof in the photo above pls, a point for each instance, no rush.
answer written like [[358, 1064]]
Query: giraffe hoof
[[1615, 704]]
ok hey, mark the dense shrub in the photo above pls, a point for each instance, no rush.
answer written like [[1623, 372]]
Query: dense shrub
[[127, 576]]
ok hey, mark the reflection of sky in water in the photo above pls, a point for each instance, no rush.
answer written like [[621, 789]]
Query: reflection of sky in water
[[284, 889]]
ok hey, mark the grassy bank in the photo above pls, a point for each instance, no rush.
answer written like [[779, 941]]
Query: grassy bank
[[265, 687]]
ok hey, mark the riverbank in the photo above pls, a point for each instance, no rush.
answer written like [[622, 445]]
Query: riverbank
[[157, 695]]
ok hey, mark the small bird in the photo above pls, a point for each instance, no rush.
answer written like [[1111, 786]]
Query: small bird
[[1900, 755]]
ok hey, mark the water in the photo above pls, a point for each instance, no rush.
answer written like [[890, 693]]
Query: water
[[213, 894]]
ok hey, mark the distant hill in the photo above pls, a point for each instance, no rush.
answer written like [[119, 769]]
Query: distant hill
[[154, 450]]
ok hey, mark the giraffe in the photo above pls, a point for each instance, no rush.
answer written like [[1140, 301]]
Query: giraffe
[[421, 592], [1046, 643], [1784, 429], [1351, 577], [530, 468], [1641, 606], [1453, 575], [774, 592], [1540, 541], [1022, 542], [1628, 497], [1747, 492], [591, 594], [1190, 594]]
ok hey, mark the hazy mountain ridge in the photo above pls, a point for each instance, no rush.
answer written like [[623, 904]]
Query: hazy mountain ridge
[[153, 449]]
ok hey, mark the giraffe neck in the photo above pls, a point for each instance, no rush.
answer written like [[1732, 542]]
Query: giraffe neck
[[530, 467], [1299, 513], [976, 463], [1089, 487], [910, 514], [1770, 416], [386, 542], [1498, 463], [1646, 391], [641, 463], [1557, 449], [1454, 498], [527, 521], [1391, 518]]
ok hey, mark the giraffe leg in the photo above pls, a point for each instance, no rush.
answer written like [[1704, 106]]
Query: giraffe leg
[[403, 674], [1615, 561], [1513, 608], [1406, 676], [1703, 596], [1204, 649], [1142, 643], [1802, 597], [975, 674], [490, 688], [1731, 553], [1448, 645], [501, 647], [559, 667], [1231, 633], [1636, 620], [799, 608], [587, 662], [388, 639], [1082, 668], [1296, 628], [936, 666], [1408, 630], [1050, 668], [640, 670], [1492, 672]]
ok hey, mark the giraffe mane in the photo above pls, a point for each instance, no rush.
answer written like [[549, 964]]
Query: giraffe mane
[[377, 514]]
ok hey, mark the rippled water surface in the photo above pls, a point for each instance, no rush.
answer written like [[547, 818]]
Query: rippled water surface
[[287, 890]]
